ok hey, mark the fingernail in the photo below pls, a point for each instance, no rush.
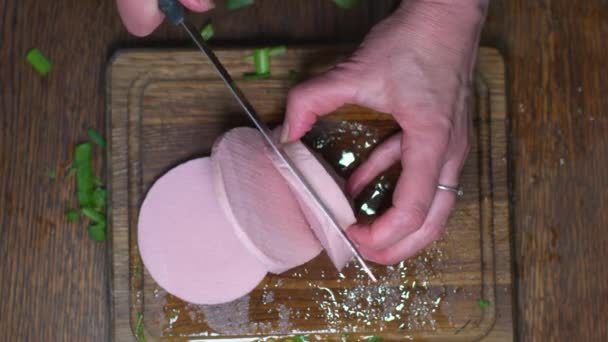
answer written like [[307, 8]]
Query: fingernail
[[207, 5], [285, 134], [198, 5]]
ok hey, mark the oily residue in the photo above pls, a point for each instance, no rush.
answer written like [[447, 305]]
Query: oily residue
[[403, 298], [345, 145]]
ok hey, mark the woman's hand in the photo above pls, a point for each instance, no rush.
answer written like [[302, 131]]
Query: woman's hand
[[417, 65], [141, 17]]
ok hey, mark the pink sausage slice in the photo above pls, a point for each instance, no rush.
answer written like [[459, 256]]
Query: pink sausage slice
[[187, 244], [327, 184], [259, 203]]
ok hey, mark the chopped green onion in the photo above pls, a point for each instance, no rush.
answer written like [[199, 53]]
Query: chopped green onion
[[374, 338], [272, 51], [99, 198], [94, 215], [139, 328], [301, 338], [293, 75], [71, 171], [236, 4], [98, 231], [261, 59], [254, 76], [51, 173], [277, 50], [483, 303], [346, 4], [97, 181], [207, 32], [96, 137], [84, 174], [72, 215], [39, 61]]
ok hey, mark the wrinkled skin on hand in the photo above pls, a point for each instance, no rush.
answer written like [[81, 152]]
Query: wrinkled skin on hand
[[141, 17], [416, 65]]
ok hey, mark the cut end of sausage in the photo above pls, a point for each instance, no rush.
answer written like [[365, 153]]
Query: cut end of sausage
[[330, 188], [259, 203]]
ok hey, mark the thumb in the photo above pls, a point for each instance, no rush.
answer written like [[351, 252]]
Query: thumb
[[141, 17], [313, 98]]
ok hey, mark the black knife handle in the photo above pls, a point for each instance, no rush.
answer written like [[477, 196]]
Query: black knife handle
[[173, 10]]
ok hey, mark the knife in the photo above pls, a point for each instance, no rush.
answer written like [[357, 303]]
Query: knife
[[175, 12]]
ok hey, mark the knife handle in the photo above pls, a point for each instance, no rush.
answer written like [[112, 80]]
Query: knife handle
[[173, 10]]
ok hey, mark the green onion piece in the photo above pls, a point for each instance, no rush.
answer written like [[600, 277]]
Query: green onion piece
[[94, 215], [98, 231], [96, 137], [72, 215], [277, 50], [374, 338], [139, 328], [254, 76], [272, 51], [483, 303], [301, 338], [71, 171], [207, 32], [99, 198], [346, 4], [51, 173], [84, 174], [39, 61], [236, 4], [97, 181], [261, 59], [293, 75]]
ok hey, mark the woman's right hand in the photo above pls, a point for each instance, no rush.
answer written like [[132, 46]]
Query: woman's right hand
[[141, 17]]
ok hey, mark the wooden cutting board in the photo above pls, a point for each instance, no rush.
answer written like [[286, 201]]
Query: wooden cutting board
[[166, 107]]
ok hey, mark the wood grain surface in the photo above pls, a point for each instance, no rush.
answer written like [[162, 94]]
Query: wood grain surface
[[54, 280], [166, 107]]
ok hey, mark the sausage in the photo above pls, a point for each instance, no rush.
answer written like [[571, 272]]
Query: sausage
[[188, 245]]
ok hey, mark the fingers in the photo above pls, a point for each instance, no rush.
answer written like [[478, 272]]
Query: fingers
[[198, 5], [432, 230], [434, 224], [422, 161], [381, 158], [141, 17], [311, 99]]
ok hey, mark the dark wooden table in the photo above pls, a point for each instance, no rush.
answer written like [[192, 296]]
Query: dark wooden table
[[54, 279]]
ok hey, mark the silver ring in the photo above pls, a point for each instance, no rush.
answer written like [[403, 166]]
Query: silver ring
[[457, 190]]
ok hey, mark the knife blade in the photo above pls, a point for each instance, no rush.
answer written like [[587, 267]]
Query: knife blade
[[175, 12]]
